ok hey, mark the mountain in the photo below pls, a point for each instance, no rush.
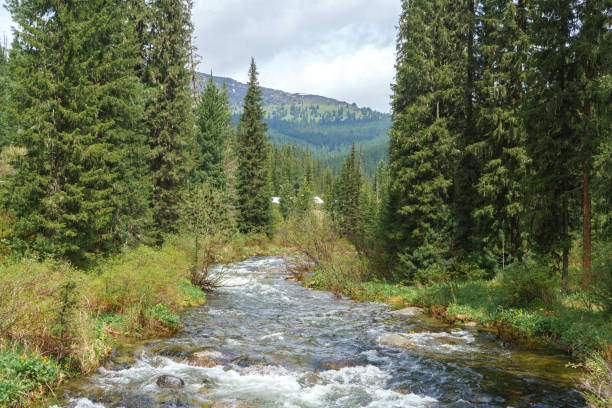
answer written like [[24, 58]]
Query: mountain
[[326, 126]]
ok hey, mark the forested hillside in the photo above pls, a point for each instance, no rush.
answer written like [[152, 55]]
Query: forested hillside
[[325, 126]]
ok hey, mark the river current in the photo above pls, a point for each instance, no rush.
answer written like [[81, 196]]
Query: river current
[[280, 345]]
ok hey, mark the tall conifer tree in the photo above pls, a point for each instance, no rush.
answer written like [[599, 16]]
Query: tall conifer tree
[[423, 146], [550, 111], [502, 46], [169, 113], [253, 184], [77, 108], [4, 93], [213, 128]]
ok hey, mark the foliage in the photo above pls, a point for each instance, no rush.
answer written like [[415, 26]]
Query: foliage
[[23, 375], [73, 191], [213, 131], [253, 189], [164, 315], [597, 381], [528, 281], [169, 115], [206, 217]]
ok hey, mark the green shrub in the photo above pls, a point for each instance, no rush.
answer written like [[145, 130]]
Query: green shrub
[[597, 381], [164, 315], [529, 281], [21, 374], [601, 287]]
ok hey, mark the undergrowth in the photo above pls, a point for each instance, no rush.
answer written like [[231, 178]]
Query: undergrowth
[[525, 303]]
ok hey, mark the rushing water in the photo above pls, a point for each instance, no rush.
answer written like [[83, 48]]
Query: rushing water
[[284, 346]]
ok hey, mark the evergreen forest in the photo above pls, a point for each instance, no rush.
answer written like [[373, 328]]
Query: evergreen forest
[[126, 177]]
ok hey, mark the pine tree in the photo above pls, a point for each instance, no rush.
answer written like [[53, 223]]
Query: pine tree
[[550, 111], [169, 114], [304, 200], [593, 60], [213, 126], [254, 208], [76, 103], [503, 44], [348, 197], [423, 147], [286, 195]]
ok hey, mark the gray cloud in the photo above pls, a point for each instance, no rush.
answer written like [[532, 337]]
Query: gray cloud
[[343, 49], [339, 48]]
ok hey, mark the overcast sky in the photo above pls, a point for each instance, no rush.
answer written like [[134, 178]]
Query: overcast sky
[[344, 49]]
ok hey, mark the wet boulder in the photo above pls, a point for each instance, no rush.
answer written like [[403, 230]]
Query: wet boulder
[[249, 361], [170, 381], [409, 312], [337, 365], [396, 340], [208, 359]]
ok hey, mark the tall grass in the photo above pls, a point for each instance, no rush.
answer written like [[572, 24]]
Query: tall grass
[[525, 303], [50, 311]]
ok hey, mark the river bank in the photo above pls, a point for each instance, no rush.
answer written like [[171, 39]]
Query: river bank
[[263, 341], [58, 322], [583, 333]]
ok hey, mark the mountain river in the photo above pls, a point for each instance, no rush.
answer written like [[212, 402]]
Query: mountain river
[[264, 341]]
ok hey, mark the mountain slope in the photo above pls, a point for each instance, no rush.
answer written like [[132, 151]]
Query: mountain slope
[[326, 126]]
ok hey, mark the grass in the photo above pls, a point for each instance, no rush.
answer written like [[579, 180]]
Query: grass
[[574, 328], [578, 328], [57, 321], [525, 304]]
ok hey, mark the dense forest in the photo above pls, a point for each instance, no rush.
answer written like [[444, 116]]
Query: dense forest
[[124, 177]]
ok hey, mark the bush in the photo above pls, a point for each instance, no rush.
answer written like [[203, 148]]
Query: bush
[[138, 280], [21, 375], [597, 381], [601, 285], [35, 306], [165, 316], [529, 281]]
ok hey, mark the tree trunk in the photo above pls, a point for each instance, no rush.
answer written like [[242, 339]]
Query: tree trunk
[[565, 271], [586, 228]]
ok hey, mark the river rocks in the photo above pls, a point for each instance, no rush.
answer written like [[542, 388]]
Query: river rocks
[[396, 340], [409, 312], [170, 381], [482, 400], [338, 364], [470, 324], [208, 359], [248, 361]]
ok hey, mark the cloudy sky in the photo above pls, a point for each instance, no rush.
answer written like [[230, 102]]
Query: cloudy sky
[[344, 49]]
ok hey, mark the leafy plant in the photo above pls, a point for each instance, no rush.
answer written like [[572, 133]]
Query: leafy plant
[[528, 281], [164, 315]]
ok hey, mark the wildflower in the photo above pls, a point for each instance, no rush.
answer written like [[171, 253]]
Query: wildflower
[[22, 356]]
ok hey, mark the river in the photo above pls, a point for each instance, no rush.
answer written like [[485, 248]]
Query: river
[[280, 345]]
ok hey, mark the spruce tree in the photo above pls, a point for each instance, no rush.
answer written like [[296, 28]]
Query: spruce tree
[[253, 187], [502, 46], [169, 113], [423, 146], [76, 105], [593, 61], [348, 197], [550, 112], [213, 127]]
